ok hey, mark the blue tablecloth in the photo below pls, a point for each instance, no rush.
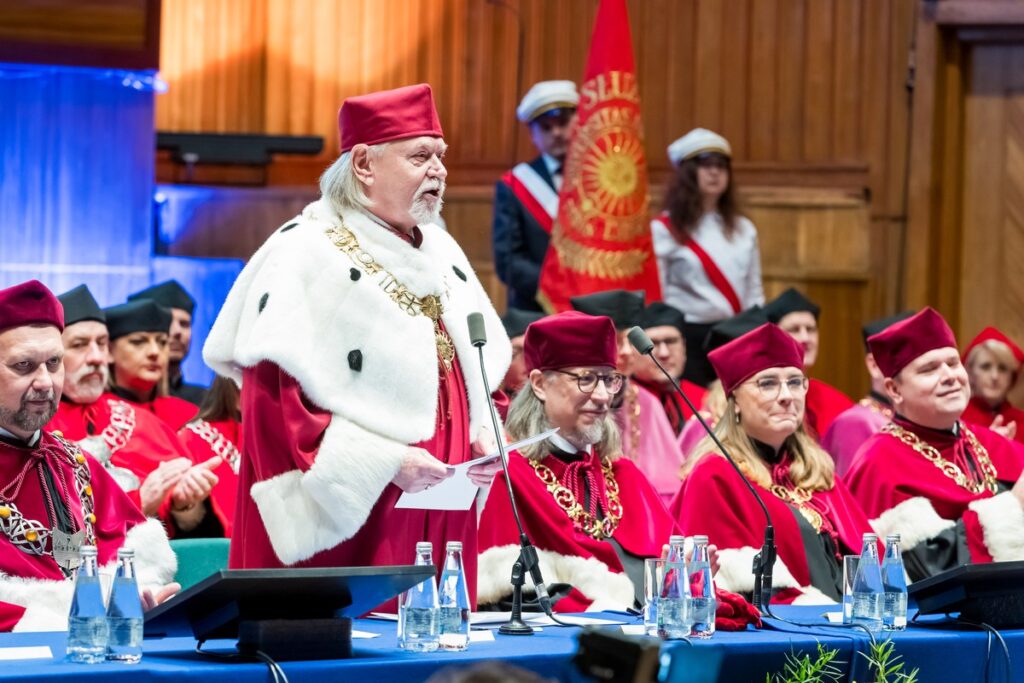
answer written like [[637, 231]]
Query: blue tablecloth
[[942, 654]]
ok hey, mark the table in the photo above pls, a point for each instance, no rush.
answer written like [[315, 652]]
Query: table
[[942, 654]]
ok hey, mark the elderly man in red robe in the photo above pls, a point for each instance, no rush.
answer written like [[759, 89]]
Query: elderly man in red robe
[[137, 448], [953, 492], [347, 331], [591, 513], [54, 498]]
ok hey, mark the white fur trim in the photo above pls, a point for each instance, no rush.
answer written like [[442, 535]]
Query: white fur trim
[[305, 513], [735, 575], [155, 561], [1002, 521], [46, 602], [915, 520], [296, 304], [594, 579]]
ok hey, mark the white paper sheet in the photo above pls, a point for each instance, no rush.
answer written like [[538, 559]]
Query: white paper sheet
[[457, 492], [28, 652]]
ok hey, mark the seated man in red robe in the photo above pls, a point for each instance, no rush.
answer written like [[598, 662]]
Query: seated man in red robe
[[816, 519], [139, 357], [590, 512], [664, 326], [54, 498], [137, 448], [798, 317], [347, 331], [954, 493]]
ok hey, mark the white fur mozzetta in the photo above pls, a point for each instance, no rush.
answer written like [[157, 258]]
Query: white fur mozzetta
[[591, 577], [47, 602], [304, 305], [735, 575], [915, 520], [1002, 523]]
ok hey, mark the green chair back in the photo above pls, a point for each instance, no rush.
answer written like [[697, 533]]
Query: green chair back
[[198, 558]]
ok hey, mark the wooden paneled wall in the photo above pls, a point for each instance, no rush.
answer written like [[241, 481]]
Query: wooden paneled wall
[[811, 94]]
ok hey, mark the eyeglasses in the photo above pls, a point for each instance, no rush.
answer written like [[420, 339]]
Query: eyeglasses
[[587, 381], [771, 387]]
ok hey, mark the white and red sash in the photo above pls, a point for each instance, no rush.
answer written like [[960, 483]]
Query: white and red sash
[[714, 274], [539, 198]]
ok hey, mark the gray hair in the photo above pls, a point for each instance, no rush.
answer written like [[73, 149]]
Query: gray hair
[[526, 417], [340, 186]]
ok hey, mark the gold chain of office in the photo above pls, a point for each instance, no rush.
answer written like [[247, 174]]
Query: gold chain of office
[[951, 470], [589, 524], [429, 305]]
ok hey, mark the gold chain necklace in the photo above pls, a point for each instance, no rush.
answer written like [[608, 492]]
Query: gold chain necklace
[[428, 305], [799, 497], [951, 470], [598, 529]]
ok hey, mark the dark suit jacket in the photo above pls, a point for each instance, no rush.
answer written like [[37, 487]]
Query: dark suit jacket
[[520, 243]]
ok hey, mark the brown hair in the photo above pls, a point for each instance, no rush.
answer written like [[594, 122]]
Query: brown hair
[[684, 205], [221, 402]]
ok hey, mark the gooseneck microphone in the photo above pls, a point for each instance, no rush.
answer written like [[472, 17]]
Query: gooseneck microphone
[[764, 561], [528, 560]]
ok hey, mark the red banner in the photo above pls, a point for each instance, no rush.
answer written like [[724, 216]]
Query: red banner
[[602, 237]]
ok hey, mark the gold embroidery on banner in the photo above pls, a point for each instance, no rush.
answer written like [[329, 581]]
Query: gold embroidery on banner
[[599, 263], [429, 305]]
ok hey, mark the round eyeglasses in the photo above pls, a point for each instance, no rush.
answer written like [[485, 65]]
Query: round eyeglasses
[[587, 381], [771, 387]]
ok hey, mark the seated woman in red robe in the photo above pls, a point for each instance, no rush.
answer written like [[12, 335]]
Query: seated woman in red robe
[[139, 359], [816, 519], [591, 513], [953, 491], [993, 365], [216, 432]]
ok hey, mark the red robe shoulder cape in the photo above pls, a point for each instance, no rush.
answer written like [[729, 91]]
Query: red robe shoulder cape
[[34, 593], [282, 431], [912, 497], [715, 502], [171, 409], [980, 413], [568, 555], [199, 443], [824, 404], [145, 443]]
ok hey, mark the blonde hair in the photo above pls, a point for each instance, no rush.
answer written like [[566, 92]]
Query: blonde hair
[[340, 186], [526, 417], [999, 350], [812, 468], [715, 401]]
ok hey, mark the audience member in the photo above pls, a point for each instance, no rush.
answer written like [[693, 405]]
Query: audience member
[[816, 519], [591, 513], [954, 493], [708, 257], [172, 295], [53, 497], [993, 366], [515, 322], [526, 198]]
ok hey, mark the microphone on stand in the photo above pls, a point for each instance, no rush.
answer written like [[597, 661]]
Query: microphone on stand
[[764, 561], [528, 560]]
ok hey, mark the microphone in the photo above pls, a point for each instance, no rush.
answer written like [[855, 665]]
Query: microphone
[[764, 561], [528, 559]]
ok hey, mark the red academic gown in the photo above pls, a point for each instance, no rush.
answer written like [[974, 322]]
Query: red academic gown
[[171, 409], [282, 431], [140, 448], [824, 403], [913, 497], [114, 513], [715, 502], [981, 413], [644, 527], [205, 440], [675, 408]]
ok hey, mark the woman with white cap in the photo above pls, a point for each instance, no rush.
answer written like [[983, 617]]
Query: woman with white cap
[[708, 255]]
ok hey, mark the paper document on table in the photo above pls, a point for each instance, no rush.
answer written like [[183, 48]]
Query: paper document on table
[[458, 491], [25, 652]]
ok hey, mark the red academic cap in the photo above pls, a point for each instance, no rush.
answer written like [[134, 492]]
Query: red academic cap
[[764, 347], [388, 115], [30, 303], [900, 343], [992, 334], [570, 339]]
